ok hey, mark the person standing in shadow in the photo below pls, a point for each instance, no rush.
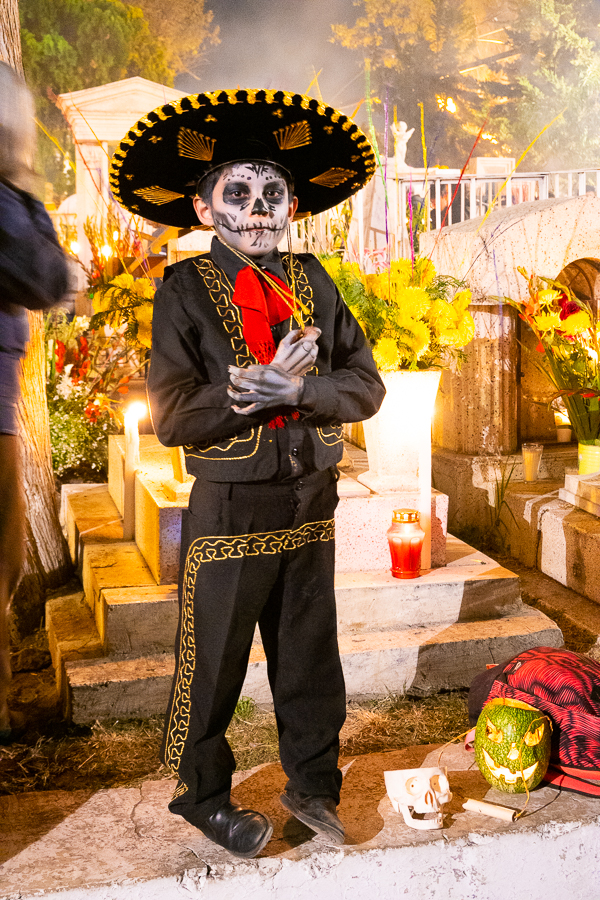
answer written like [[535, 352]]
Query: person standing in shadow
[[33, 275]]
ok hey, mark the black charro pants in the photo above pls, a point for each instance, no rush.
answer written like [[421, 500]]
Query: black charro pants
[[256, 553]]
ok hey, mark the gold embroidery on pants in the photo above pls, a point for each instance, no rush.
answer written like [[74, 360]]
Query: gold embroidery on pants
[[214, 549]]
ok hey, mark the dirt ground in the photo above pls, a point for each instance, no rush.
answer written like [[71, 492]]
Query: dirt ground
[[51, 755]]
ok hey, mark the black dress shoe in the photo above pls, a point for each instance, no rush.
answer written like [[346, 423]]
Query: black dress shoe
[[319, 813], [241, 831]]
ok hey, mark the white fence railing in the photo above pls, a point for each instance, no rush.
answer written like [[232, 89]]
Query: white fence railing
[[446, 200]]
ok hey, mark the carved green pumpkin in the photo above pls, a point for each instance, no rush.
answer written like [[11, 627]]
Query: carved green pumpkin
[[512, 745]]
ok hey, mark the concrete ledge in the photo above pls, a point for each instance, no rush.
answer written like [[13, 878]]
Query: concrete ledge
[[471, 587], [554, 536], [111, 566], [72, 634], [123, 844], [118, 688], [417, 660], [89, 516], [140, 619]]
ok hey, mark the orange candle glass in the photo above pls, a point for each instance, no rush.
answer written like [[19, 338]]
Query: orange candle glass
[[405, 537]]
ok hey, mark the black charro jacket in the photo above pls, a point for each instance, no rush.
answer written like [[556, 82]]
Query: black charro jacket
[[197, 334]]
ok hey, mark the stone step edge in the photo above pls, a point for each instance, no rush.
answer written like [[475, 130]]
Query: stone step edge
[[375, 664], [72, 635]]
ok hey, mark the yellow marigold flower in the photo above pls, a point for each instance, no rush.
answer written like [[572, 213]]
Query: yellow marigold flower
[[547, 296], [424, 272], [575, 324], [401, 272], [547, 321], [332, 265], [372, 284], [460, 335], [419, 338], [413, 302], [101, 302], [144, 288], [386, 355], [143, 315], [461, 301], [442, 315]]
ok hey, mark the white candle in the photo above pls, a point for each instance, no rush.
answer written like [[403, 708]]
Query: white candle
[[491, 809], [133, 413]]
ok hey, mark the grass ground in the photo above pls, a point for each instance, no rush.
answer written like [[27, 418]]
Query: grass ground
[[127, 753]]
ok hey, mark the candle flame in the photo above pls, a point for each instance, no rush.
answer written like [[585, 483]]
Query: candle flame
[[136, 411]]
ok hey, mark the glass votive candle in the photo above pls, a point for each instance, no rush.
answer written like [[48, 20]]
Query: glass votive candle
[[532, 457], [405, 537]]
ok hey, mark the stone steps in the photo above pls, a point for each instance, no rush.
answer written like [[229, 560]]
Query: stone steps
[[422, 635], [419, 661]]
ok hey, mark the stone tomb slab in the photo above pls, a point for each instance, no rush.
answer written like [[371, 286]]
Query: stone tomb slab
[[123, 844]]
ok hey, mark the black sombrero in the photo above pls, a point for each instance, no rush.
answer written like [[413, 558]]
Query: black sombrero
[[157, 165]]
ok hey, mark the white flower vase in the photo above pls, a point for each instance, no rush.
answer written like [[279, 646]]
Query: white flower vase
[[398, 441]]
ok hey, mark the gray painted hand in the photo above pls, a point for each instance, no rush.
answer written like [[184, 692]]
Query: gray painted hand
[[262, 387], [297, 352]]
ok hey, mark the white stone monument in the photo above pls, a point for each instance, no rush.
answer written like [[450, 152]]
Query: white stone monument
[[99, 118]]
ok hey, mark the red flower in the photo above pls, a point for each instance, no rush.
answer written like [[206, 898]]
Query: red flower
[[61, 352], [92, 412], [83, 346], [567, 307]]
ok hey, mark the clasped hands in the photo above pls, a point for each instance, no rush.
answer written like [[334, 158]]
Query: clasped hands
[[281, 382]]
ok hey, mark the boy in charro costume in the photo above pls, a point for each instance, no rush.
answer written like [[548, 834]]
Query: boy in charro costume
[[256, 363]]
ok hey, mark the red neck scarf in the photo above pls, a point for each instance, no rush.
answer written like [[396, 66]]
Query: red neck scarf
[[262, 307]]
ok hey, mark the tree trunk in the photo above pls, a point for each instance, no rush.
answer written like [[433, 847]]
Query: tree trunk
[[47, 563]]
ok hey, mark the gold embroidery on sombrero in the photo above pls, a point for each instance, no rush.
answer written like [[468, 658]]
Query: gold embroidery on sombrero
[[155, 138], [332, 178], [194, 101], [270, 96], [162, 113], [288, 99], [292, 136], [158, 195], [213, 96], [216, 549], [210, 119], [195, 145], [251, 96]]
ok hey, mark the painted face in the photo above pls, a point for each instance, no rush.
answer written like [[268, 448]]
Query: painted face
[[250, 208]]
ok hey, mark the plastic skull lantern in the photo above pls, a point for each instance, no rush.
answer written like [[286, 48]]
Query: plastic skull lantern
[[421, 791]]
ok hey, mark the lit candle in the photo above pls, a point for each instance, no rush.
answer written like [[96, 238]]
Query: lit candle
[[133, 413]]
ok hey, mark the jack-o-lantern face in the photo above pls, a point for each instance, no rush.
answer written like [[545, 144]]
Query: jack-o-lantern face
[[512, 745]]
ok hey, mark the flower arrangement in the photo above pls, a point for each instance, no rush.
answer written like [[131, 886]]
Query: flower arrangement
[[412, 317], [568, 334], [126, 303], [86, 370]]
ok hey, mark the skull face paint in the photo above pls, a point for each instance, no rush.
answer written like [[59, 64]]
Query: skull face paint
[[420, 791], [249, 209]]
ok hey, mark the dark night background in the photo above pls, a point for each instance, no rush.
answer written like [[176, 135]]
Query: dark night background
[[271, 44]]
